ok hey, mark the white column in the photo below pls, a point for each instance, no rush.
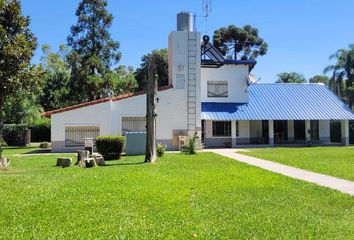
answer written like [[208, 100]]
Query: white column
[[233, 134], [345, 132], [291, 130], [271, 132], [307, 130]]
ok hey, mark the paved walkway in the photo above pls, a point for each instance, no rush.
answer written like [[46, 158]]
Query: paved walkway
[[341, 185]]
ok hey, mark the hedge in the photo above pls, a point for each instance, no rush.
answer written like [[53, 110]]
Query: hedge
[[40, 131], [14, 134], [110, 147]]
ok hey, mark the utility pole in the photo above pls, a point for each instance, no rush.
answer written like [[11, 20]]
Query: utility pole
[[151, 100]]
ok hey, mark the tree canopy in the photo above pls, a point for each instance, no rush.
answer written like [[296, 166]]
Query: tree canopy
[[320, 79], [291, 77], [93, 51], [235, 42], [158, 57], [17, 46], [342, 72], [56, 92]]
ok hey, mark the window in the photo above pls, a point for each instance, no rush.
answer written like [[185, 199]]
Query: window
[[217, 89], [75, 135], [133, 124], [221, 129]]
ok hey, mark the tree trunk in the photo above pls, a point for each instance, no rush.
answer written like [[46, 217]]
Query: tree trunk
[[150, 153], [350, 92], [1, 120]]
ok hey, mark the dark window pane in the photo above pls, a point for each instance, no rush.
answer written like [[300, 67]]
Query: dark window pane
[[222, 128]]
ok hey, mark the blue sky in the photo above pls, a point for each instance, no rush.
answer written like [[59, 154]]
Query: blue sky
[[301, 34]]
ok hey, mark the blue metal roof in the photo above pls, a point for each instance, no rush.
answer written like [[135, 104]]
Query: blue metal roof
[[278, 101]]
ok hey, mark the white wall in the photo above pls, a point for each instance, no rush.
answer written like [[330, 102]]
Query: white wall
[[171, 114], [235, 75], [244, 132], [184, 61], [95, 115]]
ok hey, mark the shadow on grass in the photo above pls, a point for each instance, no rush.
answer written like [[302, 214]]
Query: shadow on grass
[[38, 151], [123, 164]]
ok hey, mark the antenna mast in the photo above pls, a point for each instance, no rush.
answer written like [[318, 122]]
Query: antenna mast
[[206, 9]]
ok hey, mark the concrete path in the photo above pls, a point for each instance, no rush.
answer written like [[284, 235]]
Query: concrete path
[[341, 185]]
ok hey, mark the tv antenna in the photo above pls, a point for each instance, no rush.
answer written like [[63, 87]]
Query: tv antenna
[[206, 10]]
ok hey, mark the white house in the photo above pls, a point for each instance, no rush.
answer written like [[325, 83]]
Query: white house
[[214, 98]]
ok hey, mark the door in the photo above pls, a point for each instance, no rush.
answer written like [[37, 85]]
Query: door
[[336, 131], [299, 130]]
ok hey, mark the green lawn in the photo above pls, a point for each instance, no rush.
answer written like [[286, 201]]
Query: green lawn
[[204, 196], [334, 161]]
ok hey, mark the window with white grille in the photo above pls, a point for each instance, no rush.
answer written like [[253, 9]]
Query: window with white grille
[[75, 135], [218, 89], [133, 124]]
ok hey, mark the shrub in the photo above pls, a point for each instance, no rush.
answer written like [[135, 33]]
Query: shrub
[[3, 143], [192, 145], [40, 131], [110, 147], [160, 149], [14, 134], [44, 145]]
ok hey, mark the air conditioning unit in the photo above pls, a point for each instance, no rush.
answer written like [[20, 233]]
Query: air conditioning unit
[[181, 141]]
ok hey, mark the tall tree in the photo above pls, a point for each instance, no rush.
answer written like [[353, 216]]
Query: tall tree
[[56, 78], [158, 58], [343, 71], [245, 42], [291, 77], [94, 50], [17, 46], [320, 79]]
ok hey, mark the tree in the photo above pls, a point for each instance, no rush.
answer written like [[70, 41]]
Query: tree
[[126, 82], [56, 78], [157, 57], [93, 50], [17, 46], [151, 100], [291, 77], [245, 42], [343, 72], [320, 79]]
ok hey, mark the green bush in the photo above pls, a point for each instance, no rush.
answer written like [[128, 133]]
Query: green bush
[[3, 143], [14, 134], [44, 145], [160, 149], [110, 147], [192, 145], [40, 131]]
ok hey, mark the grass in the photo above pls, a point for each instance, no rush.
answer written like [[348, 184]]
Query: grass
[[204, 196], [333, 161]]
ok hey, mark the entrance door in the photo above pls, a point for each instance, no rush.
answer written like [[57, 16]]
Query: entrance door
[[351, 132], [315, 134], [280, 131], [299, 130], [336, 131], [203, 131]]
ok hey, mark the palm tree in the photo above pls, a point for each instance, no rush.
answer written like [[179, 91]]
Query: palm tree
[[343, 71]]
